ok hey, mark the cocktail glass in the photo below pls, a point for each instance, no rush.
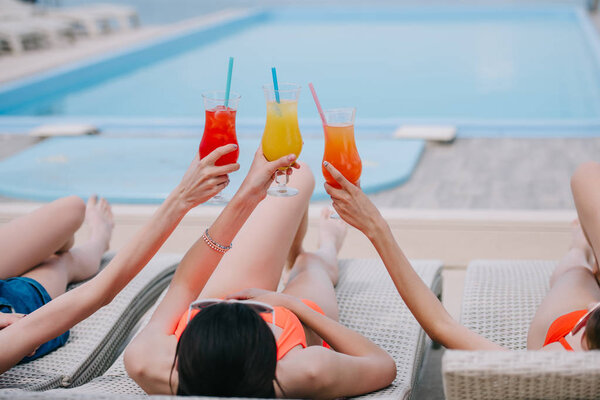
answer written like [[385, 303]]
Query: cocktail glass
[[340, 146], [282, 134], [219, 130]]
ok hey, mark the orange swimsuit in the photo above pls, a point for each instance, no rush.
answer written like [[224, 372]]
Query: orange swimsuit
[[292, 333], [561, 328]]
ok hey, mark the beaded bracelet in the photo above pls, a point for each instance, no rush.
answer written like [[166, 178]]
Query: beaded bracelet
[[210, 242]]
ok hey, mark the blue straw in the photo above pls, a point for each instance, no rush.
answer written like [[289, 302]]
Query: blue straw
[[275, 85], [228, 88]]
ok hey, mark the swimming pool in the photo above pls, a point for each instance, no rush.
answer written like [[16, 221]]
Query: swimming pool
[[491, 71]]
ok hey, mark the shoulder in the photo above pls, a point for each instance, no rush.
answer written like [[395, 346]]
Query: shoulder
[[149, 361]]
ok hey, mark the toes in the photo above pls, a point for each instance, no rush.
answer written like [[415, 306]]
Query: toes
[[92, 200], [103, 204]]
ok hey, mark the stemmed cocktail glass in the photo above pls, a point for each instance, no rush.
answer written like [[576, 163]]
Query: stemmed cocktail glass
[[340, 146], [282, 134]]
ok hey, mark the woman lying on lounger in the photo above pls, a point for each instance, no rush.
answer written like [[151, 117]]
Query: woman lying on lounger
[[38, 258], [567, 319], [202, 342], [37, 249]]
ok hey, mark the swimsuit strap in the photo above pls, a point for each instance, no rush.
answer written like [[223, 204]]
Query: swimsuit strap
[[565, 344]]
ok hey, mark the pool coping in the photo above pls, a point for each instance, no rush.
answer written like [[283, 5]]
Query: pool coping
[[238, 18], [453, 236]]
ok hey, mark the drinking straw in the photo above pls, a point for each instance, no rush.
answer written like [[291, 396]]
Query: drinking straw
[[275, 85], [228, 87], [314, 94]]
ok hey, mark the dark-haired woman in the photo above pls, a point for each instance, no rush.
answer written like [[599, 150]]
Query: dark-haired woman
[[286, 344], [568, 319]]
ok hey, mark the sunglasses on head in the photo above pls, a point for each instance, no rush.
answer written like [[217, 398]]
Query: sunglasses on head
[[257, 306], [584, 320]]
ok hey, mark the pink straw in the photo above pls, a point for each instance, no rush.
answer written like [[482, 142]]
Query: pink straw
[[314, 94]]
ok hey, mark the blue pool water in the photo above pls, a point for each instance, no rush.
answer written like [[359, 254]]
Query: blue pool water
[[491, 67], [134, 170]]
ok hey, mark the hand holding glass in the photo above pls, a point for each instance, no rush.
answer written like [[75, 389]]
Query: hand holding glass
[[282, 134], [219, 129]]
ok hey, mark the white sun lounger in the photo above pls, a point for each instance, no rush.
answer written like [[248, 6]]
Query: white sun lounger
[[20, 36], [500, 300], [98, 19], [93, 19], [369, 304], [94, 343]]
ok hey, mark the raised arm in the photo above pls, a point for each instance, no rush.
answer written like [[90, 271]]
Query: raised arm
[[357, 210], [202, 180], [200, 261], [157, 340]]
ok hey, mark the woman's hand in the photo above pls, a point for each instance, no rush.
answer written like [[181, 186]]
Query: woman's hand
[[9, 319], [264, 296], [203, 179], [262, 173], [352, 204]]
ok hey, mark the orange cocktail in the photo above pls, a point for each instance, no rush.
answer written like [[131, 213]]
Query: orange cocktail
[[340, 147]]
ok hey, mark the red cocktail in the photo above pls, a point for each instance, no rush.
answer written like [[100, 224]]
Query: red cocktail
[[219, 129]]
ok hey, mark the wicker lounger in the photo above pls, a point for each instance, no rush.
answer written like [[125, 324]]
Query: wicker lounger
[[369, 304], [95, 342], [500, 300]]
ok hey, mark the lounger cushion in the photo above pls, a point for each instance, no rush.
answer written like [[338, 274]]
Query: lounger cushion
[[500, 300], [95, 342], [369, 304]]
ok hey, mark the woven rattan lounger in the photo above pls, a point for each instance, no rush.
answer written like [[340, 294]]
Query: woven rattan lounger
[[369, 304], [500, 300], [95, 342]]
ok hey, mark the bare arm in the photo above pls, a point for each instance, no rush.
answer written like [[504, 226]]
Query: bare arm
[[357, 210], [356, 367], [192, 274], [201, 181]]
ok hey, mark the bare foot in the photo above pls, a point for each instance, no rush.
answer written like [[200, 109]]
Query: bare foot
[[99, 217], [331, 230]]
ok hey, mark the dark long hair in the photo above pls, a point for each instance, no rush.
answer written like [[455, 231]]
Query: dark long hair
[[592, 331], [227, 350]]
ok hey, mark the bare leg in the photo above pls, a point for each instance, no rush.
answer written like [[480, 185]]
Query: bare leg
[[295, 249], [29, 240], [261, 247], [315, 275], [585, 185], [572, 287], [81, 262]]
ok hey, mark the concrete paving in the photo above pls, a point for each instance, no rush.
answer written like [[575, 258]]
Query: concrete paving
[[494, 173], [483, 173]]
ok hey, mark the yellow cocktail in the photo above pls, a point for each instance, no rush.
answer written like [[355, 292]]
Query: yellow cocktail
[[282, 134]]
